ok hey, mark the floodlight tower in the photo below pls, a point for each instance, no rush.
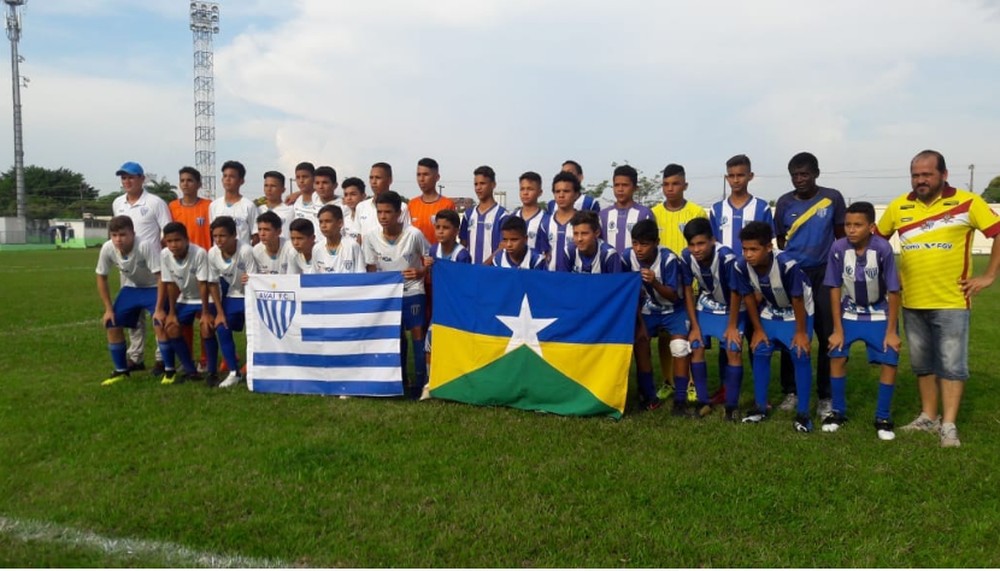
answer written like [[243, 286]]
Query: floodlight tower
[[14, 33], [204, 25]]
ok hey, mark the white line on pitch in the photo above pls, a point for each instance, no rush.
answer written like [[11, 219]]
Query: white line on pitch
[[41, 328]]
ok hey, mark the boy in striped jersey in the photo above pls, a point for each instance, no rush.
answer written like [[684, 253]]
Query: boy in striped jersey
[[618, 219], [354, 194], [334, 254], [515, 252], [783, 317], [662, 309], [446, 226], [480, 230], [566, 189], [588, 254], [584, 201], [864, 291], [530, 185], [184, 297], [717, 313], [228, 260], [273, 252], [729, 216]]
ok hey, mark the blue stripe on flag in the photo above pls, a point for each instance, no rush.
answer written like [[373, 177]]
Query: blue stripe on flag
[[359, 388], [350, 333], [350, 307], [350, 280], [302, 360]]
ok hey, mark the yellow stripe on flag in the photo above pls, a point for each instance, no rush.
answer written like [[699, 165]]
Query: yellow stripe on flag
[[602, 369], [455, 353], [806, 216]]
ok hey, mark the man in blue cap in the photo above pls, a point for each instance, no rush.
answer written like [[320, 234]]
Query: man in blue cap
[[149, 214]]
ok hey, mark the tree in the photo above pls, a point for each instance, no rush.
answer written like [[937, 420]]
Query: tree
[[162, 188], [992, 192], [59, 193]]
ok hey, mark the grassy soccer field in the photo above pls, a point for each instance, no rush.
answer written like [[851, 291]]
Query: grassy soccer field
[[313, 481]]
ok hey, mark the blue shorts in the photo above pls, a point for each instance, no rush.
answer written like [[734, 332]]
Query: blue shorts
[[715, 325], [188, 312], [939, 342], [873, 334], [130, 303], [234, 309], [413, 310], [781, 332], [674, 323]]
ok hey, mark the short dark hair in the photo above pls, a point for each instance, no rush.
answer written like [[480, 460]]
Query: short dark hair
[[941, 167], [226, 223], [175, 228], [807, 160], [237, 166], [392, 198], [588, 217], [673, 169], [119, 223], [646, 231], [429, 163], [306, 166], [302, 226], [270, 217], [333, 209], [486, 171], [862, 207], [697, 227], [531, 176], [275, 175], [449, 216], [738, 161], [355, 182], [327, 172], [384, 166], [576, 166], [626, 170], [515, 224], [563, 176], [191, 171], [757, 231]]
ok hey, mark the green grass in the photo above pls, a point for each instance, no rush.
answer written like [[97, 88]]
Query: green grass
[[324, 482]]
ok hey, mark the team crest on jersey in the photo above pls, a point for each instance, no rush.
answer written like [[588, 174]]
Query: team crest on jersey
[[822, 212], [276, 310], [144, 211], [612, 225], [849, 271], [872, 273], [349, 265], [200, 221], [488, 226]]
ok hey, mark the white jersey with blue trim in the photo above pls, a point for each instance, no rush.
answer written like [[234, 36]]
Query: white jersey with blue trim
[[783, 281], [137, 269], [560, 237], [231, 270], [458, 254], [532, 261], [583, 202], [714, 280], [406, 251], [727, 221], [346, 258], [538, 240], [666, 269], [617, 223], [285, 212], [186, 272], [480, 231], [243, 212], [605, 261], [276, 264]]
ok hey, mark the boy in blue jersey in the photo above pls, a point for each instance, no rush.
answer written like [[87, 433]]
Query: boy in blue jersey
[[515, 252], [780, 306], [864, 290], [618, 219], [662, 310], [139, 266], [480, 230], [184, 297], [717, 313], [532, 213], [566, 189], [588, 254], [729, 216], [583, 201], [228, 261]]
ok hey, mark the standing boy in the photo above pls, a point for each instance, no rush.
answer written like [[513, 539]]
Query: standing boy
[[425, 207], [480, 231], [334, 254], [234, 205], [588, 254], [183, 298], [530, 189], [228, 260], [380, 180], [190, 209], [354, 194], [584, 201], [274, 187], [729, 216], [618, 219], [302, 201], [566, 189], [514, 251]]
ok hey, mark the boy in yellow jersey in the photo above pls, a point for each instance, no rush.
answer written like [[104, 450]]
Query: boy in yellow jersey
[[671, 216], [935, 224]]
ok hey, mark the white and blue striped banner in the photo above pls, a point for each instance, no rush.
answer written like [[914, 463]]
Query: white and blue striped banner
[[327, 334]]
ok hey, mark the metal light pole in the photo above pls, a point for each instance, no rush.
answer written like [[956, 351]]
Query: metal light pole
[[204, 25], [14, 33]]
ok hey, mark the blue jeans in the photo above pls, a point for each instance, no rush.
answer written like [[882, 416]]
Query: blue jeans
[[938, 341]]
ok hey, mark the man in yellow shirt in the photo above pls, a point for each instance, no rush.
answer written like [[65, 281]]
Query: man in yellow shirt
[[935, 224]]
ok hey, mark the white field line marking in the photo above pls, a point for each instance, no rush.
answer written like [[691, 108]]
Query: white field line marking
[[26, 269], [172, 554], [41, 328]]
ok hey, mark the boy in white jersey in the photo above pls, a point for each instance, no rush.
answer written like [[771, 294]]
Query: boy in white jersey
[[566, 189], [588, 254], [228, 260], [274, 187], [395, 248], [234, 205], [514, 251], [729, 216], [139, 265], [303, 241], [272, 254], [184, 298], [480, 231], [618, 219], [532, 213], [380, 180], [302, 200], [334, 254], [354, 193]]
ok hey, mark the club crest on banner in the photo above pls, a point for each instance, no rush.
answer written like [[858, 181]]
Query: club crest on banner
[[276, 310]]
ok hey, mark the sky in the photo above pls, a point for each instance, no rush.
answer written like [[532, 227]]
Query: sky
[[520, 85]]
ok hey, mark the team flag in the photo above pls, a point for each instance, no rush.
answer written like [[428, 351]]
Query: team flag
[[328, 334], [549, 341]]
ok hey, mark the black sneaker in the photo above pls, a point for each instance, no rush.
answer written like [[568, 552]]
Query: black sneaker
[[884, 429], [680, 409], [650, 405], [158, 369], [702, 409], [211, 380], [136, 366], [833, 421], [802, 423], [732, 415], [754, 416]]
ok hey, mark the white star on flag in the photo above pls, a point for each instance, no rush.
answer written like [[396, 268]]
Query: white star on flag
[[525, 328]]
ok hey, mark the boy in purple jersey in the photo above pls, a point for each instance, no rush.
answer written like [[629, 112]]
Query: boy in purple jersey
[[566, 189], [662, 309], [781, 317], [446, 225], [515, 252], [480, 230], [588, 254], [584, 201], [618, 219], [729, 216], [532, 213], [864, 291], [716, 313]]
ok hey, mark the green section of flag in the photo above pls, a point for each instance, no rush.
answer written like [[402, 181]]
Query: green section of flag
[[522, 379]]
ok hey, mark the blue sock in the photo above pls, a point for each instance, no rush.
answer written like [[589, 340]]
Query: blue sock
[[228, 346], [884, 401], [733, 380], [838, 390], [167, 352], [212, 354], [803, 381], [419, 365], [680, 389], [118, 356], [183, 355], [699, 372], [646, 386], [761, 380]]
